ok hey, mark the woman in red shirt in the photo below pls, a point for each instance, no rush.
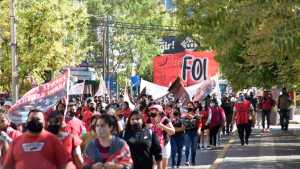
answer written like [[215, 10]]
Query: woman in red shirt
[[205, 115], [242, 115]]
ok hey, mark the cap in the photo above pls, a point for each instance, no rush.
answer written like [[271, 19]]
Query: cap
[[157, 107], [7, 103]]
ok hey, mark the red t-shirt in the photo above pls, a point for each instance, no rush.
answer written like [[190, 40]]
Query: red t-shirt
[[77, 126], [70, 142], [204, 118], [43, 151], [242, 112], [126, 112], [267, 104], [13, 134], [87, 115]]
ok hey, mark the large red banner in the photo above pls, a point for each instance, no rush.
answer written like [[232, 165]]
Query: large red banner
[[192, 67]]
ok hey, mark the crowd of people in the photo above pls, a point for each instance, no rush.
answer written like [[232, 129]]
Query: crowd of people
[[94, 134]]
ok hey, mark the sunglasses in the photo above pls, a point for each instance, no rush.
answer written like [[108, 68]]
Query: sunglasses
[[152, 115]]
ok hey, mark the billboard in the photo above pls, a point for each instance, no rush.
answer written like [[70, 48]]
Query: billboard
[[191, 66]]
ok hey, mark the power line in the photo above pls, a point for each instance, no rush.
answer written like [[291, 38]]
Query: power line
[[125, 25]]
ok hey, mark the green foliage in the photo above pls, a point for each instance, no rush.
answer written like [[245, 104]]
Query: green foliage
[[129, 43], [50, 36], [257, 41]]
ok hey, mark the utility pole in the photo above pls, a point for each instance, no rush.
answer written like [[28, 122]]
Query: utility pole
[[14, 59]]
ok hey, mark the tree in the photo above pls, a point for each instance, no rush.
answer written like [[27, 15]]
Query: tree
[[135, 28], [256, 42], [50, 36]]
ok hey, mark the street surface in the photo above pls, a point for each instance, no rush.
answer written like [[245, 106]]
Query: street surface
[[272, 150]]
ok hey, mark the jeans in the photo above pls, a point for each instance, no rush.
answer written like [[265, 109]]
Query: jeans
[[244, 131], [177, 143], [284, 118], [266, 113], [191, 138], [213, 134]]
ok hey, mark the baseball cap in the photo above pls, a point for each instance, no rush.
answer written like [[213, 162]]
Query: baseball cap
[[157, 107]]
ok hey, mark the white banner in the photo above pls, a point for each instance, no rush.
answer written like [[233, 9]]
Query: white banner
[[102, 90], [156, 91], [77, 89]]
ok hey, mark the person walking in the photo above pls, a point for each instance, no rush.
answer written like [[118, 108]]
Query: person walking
[[191, 122], [266, 106], [163, 128], [177, 140], [217, 121], [71, 141], [205, 115], [228, 109], [242, 116], [107, 151], [37, 145], [284, 103], [143, 144]]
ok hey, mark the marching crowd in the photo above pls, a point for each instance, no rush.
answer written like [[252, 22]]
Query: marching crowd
[[92, 134]]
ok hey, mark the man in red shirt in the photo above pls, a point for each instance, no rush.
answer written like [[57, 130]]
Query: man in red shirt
[[36, 148], [242, 115], [70, 141], [76, 125]]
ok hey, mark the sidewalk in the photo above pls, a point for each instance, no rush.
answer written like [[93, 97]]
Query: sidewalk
[[296, 119]]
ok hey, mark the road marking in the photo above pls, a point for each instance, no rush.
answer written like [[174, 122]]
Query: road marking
[[222, 154]]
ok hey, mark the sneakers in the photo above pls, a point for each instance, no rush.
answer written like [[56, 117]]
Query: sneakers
[[187, 163]]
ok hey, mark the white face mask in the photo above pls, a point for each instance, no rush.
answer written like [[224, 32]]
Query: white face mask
[[102, 132], [212, 104]]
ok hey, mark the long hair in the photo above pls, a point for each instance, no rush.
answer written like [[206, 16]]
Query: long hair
[[135, 112]]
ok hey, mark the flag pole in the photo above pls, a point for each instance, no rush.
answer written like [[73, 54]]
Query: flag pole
[[68, 91]]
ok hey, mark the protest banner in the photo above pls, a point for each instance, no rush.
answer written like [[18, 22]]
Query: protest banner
[[191, 67], [77, 89], [41, 97]]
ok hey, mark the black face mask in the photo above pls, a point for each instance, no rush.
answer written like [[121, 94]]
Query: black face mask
[[190, 109], [136, 127], [176, 113], [72, 114], [92, 109], [54, 129], [34, 126]]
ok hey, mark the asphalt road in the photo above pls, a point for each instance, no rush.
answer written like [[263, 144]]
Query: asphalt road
[[272, 150]]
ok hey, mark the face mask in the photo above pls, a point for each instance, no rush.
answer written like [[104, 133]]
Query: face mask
[[212, 104], [137, 127], [242, 98], [34, 126], [72, 114], [190, 109], [54, 129], [102, 132], [92, 109], [176, 113]]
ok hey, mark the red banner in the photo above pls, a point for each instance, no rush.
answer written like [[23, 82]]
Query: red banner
[[191, 67], [42, 97]]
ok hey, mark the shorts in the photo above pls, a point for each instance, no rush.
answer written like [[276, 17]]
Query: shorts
[[166, 151]]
